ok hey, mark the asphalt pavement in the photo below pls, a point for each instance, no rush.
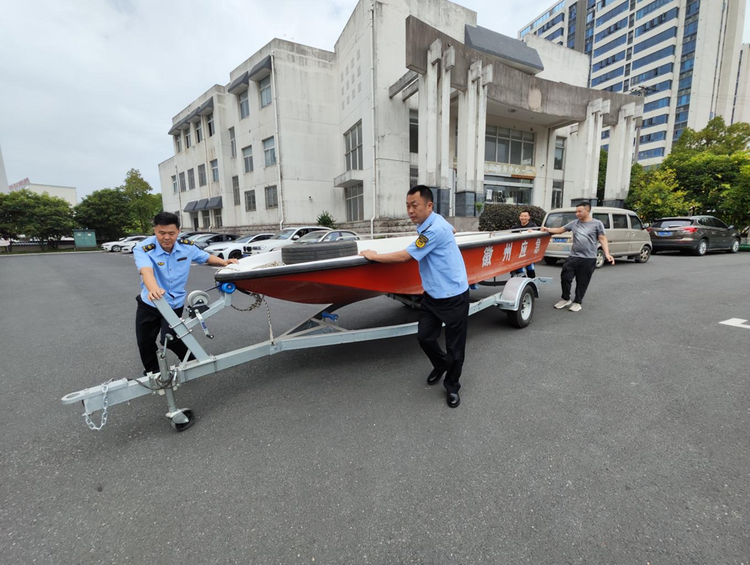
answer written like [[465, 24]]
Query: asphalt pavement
[[618, 434]]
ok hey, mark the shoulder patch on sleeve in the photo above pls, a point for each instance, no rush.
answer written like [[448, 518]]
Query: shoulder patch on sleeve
[[149, 247], [186, 242], [421, 241]]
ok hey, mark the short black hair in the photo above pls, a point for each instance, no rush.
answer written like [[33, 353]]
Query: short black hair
[[166, 219], [423, 190], [586, 205]]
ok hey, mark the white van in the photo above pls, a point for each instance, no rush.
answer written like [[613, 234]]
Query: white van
[[625, 233]]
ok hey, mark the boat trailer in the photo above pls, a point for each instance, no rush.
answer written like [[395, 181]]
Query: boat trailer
[[516, 298]]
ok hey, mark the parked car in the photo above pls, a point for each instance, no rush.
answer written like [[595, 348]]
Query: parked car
[[324, 237], [697, 234], [128, 246], [204, 240], [235, 249], [625, 235], [116, 246], [282, 238]]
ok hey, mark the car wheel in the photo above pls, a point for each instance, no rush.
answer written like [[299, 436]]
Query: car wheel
[[235, 254], [550, 260], [702, 247], [303, 253], [599, 258], [644, 255], [116, 248], [735, 246], [522, 317]]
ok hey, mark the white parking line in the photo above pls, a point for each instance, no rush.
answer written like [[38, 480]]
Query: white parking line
[[737, 323]]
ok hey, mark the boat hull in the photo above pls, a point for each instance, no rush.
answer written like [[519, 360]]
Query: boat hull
[[355, 278]]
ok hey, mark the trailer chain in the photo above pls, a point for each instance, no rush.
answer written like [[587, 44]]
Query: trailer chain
[[259, 299], [105, 404]]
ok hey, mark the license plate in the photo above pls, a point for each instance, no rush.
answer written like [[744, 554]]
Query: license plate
[[664, 233], [559, 239]]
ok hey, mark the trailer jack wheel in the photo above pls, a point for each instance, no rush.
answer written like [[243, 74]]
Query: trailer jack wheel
[[182, 420]]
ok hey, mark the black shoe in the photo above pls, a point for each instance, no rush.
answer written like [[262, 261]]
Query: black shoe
[[453, 399], [531, 274], [434, 377]]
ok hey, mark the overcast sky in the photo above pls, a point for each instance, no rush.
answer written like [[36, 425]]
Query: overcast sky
[[88, 88]]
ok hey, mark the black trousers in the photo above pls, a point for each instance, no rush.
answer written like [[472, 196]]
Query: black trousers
[[580, 269], [454, 313], [148, 324]]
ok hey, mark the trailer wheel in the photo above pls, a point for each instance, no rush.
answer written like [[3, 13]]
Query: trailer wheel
[[182, 427], [304, 252], [522, 317]]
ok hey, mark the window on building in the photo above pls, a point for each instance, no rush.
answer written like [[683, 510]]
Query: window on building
[[187, 137], [272, 199], [244, 105], [355, 203], [177, 143], [206, 218], [210, 125], [265, 91], [191, 179], [174, 184], [651, 153], [353, 148], [199, 130], [218, 222], [269, 150], [236, 190], [557, 194], [183, 188], [201, 175], [504, 145], [559, 153], [247, 157], [413, 132], [232, 143], [215, 170], [250, 201]]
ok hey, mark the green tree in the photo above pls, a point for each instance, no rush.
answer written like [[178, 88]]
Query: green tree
[[657, 194], [716, 138], [602, 179], [735, 202], [38, 216], [143, 205], [107, 212], [325, 219]]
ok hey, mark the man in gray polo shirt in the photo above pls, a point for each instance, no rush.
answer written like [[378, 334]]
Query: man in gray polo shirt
[[581, 263]]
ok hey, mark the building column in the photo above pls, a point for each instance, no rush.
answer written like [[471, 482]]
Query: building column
[[468, 124], [448, 62], [619, 161], [428, 126], [588, 144]]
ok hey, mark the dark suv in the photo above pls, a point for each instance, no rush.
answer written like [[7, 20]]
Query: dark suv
[[697, 234]]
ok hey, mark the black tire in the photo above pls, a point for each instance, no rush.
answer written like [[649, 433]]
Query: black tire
[[600, 259], [115, 248], [551, 260], [236, 254], [735, 246], [305, 252], [522, 317], [644, 255], [701, 248]]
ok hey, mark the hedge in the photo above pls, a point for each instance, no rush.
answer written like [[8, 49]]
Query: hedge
[[505, 216]]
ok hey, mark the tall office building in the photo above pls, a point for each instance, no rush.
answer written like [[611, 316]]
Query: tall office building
[[683, 56]]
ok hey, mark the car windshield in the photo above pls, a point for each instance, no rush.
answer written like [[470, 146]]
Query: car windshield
[[559, 219], [133, 238], [312, 236], [284, 234], [245, 238], [202, 238], [667, 223]]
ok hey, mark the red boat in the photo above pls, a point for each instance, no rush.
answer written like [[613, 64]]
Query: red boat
[[349, 279]]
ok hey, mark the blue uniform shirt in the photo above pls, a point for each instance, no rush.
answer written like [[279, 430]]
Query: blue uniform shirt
[[441, 265], [170, 269]]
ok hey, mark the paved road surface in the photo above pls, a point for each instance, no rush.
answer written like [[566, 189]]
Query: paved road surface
[[615, 435]]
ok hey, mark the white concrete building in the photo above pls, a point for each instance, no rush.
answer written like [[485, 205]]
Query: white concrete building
[[683, 55], [414, 91], [67, 193], [741, 101]]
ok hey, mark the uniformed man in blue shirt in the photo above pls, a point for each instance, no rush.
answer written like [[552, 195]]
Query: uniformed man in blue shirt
[[163, 262], [446, 289]]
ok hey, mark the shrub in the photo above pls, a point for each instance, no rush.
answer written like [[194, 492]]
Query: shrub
[[326, 220], [505, 216]]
